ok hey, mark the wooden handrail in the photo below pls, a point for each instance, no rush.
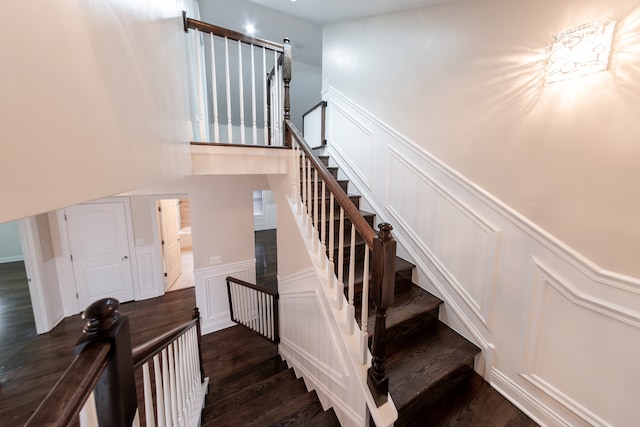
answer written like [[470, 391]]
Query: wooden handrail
[[252, 286], [323, 106], [67, 398], [146, 351], [319, 104], [233, 35], [362, 226]]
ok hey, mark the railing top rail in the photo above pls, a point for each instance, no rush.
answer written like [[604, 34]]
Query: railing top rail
[[365, 230], [147, 350], [318, 105], [252, 286], [233, 35], [68, 396]]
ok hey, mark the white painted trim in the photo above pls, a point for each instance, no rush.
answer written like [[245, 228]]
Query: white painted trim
[[15, 258], [28, 231], [206, 297], [66, 277], [570, 255], [149, 283], [314, 383]]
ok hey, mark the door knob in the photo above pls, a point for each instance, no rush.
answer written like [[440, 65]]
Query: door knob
[[124, 258]]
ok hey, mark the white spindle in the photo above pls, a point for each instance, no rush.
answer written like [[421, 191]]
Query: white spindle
[[159, 392], [323, 221], [228, 85], [166, 387], [352, 269], [304, 186], [365, 307], [330, 267], [316, 214], [275, 102], [264, 97], [340, 284], [241, 93], [201, 118], [309, 197], [172, 385], [253, 96], [179, 349], [148, 399], [214, 90], [270, 316]]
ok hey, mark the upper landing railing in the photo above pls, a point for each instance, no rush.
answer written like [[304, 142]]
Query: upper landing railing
[[242, 86]]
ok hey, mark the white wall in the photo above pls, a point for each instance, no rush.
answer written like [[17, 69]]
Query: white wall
[[464, 82], [558, 334], [10, 247], [95, 100]]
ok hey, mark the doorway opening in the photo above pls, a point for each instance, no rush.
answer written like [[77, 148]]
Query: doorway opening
[[265, 235], [174, 224], [16, 313]]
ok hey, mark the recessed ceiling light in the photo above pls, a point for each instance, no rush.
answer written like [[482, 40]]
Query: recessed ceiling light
[[250, 28]]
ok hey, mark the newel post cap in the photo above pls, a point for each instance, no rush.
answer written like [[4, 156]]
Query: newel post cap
[[101, 316], [385, 231]]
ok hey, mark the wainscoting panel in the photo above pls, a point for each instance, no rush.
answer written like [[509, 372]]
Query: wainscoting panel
[[568, 336], [352, 143], [310, 342], [211, 292], [559, 334], [439, 224], [150, 280]]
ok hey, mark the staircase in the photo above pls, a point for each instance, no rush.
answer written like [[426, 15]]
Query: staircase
[[429, 365], [264, 394]]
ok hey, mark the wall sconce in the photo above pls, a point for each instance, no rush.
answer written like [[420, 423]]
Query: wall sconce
[[579, 51]]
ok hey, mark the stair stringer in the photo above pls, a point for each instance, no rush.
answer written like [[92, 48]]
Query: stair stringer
[[313, 333]]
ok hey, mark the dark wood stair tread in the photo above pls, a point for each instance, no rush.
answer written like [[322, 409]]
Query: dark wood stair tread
[[244, 377], [409, 304], [420, 363], [296, 412], [476, 403], [254, 410], [217, 408], [327, 418]]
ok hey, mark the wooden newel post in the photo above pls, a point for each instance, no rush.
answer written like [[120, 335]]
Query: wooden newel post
[[115, 393], [286, 78], [383, 268], [196, 315]]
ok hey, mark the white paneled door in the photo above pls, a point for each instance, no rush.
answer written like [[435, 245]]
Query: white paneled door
[[99, 245]]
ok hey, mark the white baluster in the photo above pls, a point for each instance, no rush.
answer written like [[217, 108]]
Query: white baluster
[[159, 392], [332, 219], [270, 316], [310, 199], [316, 214], [365, 307], [253, 95], [201, 118], [172, 385], [264, 97], [304, 186], [228, 83], [166, 387], [241, 91], [352, 268], [148, 399], [323, 234], [340, 284], [214, 88]]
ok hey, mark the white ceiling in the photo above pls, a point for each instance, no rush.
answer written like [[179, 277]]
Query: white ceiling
[[327, 11]]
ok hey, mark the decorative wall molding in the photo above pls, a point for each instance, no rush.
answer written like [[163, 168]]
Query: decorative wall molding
[[211, 292], [577, 260], [534, 320], [480, 303], [150, 282]]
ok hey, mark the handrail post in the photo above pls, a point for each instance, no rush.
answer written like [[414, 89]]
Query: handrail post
[[382, 288], [115, 393], [286, 78], [196, 315]]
